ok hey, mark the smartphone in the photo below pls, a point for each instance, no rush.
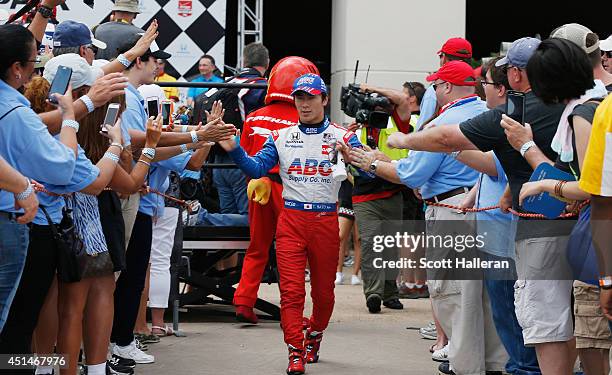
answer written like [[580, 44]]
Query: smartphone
[[153, 107], [60, 82], [515, 106], [166, 112], [111, 116]]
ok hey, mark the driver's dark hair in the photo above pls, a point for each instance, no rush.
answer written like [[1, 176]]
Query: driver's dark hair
[[15, 46]]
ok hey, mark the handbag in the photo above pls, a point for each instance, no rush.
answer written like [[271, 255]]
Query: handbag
[[580, 253], [70, 247]]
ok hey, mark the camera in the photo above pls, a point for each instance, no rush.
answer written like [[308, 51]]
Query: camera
[[367, 108]]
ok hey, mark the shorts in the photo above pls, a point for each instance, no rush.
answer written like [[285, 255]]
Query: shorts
[[543, 307], [591, 327], [345, 199]]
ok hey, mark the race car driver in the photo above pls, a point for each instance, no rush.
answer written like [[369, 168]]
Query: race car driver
[[308, 224], [267, 203]]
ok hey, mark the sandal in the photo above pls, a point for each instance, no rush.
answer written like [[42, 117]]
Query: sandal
[[167, 331]]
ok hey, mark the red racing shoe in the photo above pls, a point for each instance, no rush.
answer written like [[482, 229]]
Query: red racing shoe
[[312, 343], [296, 361], [246, 314]]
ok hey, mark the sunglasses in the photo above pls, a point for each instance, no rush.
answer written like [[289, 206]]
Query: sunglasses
[[435, 85], [36, 60], [484, 83], [608, 54], [508, 67], [93, 48]]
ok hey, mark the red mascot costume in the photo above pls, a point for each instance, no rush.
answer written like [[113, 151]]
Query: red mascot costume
[[266, 205]]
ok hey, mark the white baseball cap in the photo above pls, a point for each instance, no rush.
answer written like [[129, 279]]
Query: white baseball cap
[[83, 74], [606, 44]]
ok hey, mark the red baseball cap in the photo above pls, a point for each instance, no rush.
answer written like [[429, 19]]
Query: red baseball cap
[[458, 73], [457, 47]]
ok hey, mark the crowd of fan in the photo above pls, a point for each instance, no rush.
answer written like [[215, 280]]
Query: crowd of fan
[[464, 152]]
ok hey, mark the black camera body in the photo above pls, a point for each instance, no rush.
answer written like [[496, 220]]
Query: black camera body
[[364, 107]]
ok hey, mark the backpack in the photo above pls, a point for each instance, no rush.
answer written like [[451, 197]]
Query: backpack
[[231, 99]]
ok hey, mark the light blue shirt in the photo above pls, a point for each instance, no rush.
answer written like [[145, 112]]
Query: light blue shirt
[[151, 204], [191, 174], [27, 146], [498, 226], [428, 106], [195, 91], [134, 112], [85, 173], [436, 173]]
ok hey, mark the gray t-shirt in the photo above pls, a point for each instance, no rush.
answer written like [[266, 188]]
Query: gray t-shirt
[[115, 35]]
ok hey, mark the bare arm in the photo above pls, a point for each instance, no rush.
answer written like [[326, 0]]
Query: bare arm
[[39, 24], [104, 89], [480, 161], [519, 134], [447, 138], [388, 171], [198, 158], [133, 53], [10, 179], [397, 97]]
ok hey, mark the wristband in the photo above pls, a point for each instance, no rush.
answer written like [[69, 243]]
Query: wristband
[[605, 282], [526, 147], [71, 124], [111, 156], [88, 103], [26, 193], [184, 128], [144, 162], [124, 61], [118, 145], [148, 152], [194, 136], [184, 148]]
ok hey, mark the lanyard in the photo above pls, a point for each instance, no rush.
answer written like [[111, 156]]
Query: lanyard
[[458, 102]]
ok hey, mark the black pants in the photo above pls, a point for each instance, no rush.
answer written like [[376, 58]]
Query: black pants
[[131, 282], [38, 273]]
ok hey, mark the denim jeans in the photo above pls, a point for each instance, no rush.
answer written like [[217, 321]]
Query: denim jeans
[[523, 360], [13, 249], [206, 218], [232, 188]]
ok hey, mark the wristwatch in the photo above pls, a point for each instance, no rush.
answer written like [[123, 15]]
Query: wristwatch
[[605, 282], [45, 11], [374, 165]]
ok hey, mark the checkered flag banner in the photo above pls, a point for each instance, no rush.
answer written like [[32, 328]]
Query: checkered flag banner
[[188, 29]]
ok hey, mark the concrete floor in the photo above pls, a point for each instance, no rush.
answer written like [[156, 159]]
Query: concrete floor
[[355, 343]]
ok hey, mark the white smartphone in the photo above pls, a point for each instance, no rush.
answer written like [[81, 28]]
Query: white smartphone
[[111, 116]]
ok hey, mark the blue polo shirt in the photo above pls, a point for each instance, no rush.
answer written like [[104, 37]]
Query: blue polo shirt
[[27, 146], [85, 173], [434, 172], [151, 204], [195, 91], [427, 107], [499, 227]]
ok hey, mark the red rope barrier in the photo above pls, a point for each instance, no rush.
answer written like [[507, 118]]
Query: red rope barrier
[[574, 213]]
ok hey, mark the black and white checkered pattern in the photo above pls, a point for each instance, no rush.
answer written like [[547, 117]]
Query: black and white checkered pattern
[[188, 28]]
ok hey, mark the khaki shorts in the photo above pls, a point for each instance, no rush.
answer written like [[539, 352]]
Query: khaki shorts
[[543, 307], [591, 328]]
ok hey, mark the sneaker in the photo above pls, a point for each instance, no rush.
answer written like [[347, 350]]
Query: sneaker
[[114, 367], [373, 303], [142, 346], [339, 278], [143, 338], [132, 352], [307, 275], [296, 361], [429, 332], [440, 355], [126, 362], [312, 344], [393, 304], [355, 280], [245, 314], [445, 369], [422, 292], [349, 260]]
